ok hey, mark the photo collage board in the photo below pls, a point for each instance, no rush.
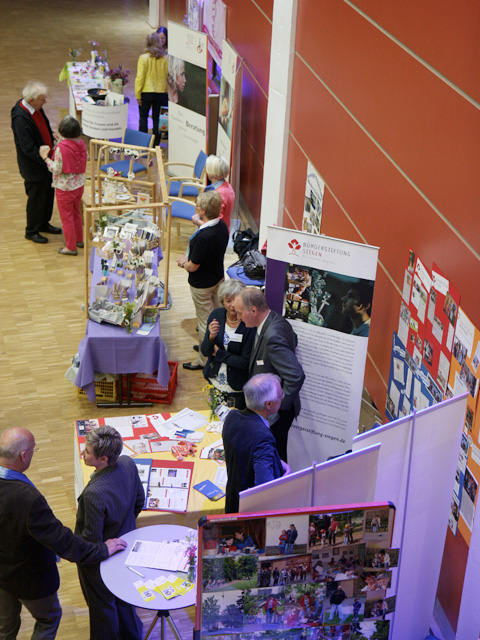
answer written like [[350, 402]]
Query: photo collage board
[[436, 355], [307, 574]]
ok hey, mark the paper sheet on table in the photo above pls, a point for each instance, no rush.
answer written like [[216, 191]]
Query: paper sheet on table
[[122, 424], [221, 477], [187, 419], [169, 556]]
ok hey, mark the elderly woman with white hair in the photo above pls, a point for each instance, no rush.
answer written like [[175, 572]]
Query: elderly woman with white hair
[[176, 81], [218, 170], [228, 344]]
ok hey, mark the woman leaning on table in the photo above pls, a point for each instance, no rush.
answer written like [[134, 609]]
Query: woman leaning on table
[[151, 88], [228, 344]]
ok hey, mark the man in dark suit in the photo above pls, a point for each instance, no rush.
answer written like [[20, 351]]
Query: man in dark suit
[[251, 454], [31, 130], [30, 536], [273, 352], [110, 502]]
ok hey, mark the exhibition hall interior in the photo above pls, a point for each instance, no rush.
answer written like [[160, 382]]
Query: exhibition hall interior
[[350, 131]]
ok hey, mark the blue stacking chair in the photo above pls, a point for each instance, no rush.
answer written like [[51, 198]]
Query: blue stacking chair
[[187, 186], [130, 163], [182, 210]]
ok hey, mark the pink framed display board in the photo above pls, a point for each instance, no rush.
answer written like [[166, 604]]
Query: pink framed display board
[[319, 572]]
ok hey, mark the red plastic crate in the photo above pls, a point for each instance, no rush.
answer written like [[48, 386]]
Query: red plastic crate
[[146, 388]]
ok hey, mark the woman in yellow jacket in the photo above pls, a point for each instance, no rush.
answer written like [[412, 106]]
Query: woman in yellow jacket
[[151, 83]]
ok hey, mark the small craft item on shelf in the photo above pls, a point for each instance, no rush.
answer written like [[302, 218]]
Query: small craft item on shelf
[[102, 310]]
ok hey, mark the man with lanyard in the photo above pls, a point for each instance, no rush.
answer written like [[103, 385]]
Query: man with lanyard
[[204, 263], [31, 130], [30, 538]]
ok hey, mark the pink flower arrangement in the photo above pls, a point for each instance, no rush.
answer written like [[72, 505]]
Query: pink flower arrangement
[[119, 74]]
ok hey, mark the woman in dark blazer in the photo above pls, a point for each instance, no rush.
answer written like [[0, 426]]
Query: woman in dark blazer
[[228, 344]]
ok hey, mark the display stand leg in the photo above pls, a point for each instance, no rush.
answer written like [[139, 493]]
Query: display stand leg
[[162, 616], [120, 403]]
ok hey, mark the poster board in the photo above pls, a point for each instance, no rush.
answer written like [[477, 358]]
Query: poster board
[[187, 94], [416, 468], [348, 478], [309, 281], [226, 111], [313, 205], [256, 581]]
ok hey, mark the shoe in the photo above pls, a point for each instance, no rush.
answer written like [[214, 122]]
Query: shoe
[[192, 367], [49, 228], [36, 237], [195, 347], [80, 245], [66, 252]]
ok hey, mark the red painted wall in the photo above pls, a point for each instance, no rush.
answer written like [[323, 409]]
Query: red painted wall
[[249, 30], [379, 107]]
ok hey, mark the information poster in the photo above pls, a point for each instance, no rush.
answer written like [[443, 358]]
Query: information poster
[[187, 94], [227, 102], [464, 377], [316, 283], [443, 304], [409, 386], [312, 211], [416, 288]]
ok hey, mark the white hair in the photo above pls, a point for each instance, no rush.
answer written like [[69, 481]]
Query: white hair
[[217, 167], [33, 89]]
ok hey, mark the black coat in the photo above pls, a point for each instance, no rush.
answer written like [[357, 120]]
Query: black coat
[[28, 141], [236, 358], [251, 455], [30, 536]]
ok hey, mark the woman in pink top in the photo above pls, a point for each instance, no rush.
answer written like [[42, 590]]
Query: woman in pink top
[[217, 169], [68, 168]]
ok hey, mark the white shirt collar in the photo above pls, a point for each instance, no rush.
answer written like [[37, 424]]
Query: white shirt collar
[[28, 107], [260, 326], [209, 223]]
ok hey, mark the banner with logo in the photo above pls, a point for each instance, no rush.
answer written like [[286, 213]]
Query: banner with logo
[[324, 287], [187, 95]]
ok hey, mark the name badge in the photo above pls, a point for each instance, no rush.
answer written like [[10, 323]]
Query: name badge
[[236, 337], [260, 363]]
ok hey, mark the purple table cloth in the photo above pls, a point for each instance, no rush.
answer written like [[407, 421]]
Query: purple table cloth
[[110, 349]]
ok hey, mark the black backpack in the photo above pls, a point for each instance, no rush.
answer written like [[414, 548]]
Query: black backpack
[[244, 241]]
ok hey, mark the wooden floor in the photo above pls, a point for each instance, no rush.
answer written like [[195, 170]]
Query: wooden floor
[[40, 317]]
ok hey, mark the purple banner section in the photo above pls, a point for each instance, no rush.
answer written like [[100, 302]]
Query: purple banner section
[[275, 284]]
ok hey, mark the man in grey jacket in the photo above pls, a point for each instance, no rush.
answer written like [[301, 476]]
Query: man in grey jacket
[[110, 502], [273, 352]]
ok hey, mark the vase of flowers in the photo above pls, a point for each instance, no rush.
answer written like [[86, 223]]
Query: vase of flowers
[[119, 77], [128, 308], [74, 53], [214, 399], [191, 553]]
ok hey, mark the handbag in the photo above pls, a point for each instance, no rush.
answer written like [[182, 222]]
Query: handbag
[[254, 264]]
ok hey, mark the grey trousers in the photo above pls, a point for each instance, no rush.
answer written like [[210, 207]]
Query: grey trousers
[[46, 612]]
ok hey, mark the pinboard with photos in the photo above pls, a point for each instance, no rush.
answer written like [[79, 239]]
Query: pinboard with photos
[[308, 573]]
